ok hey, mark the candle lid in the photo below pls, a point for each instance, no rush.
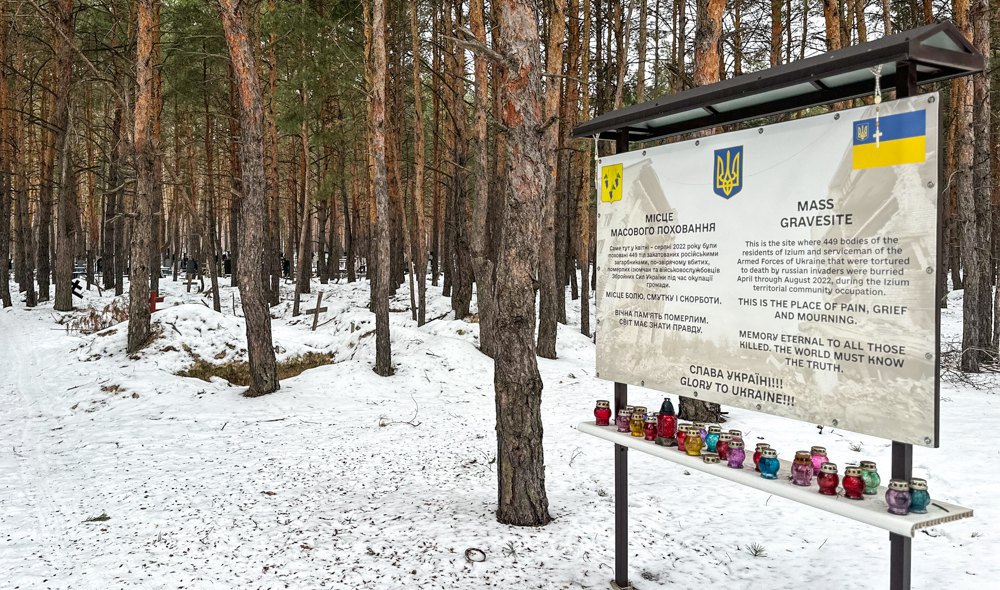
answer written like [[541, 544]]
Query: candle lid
[[700, 425], [818, 451], [630, 409], [853, 471], [736, 444], [603, 403], [736, 433], [640, 409], [624, 412], [769, 453], [710, 457], [868, 465], [651, 419], [638, 415], [828, 467], [762, 445], [918, 484], [725, 436], [899, 485], [802, 456], [715, 429]]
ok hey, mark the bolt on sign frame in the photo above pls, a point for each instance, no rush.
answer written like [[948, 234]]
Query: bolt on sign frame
[[904, 61]]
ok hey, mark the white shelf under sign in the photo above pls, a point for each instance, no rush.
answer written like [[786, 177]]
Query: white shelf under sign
[[871, 510]]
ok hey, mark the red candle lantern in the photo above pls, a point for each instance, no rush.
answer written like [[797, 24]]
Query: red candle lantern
[[828, 479], [666, 426], [854, 483], [603, 412], [650, 430], [722, 447], [756, 454], [682, 432]]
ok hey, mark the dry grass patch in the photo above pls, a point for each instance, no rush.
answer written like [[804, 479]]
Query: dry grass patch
[[238, 372]]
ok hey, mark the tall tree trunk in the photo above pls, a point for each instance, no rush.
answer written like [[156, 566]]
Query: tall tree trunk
[[483, 266], [145, 161], [419, 254], [253, 229], [975, 200], [831, 17], [775, 53], [640, 76], [550, 287], [586, 167], [520, 459], [706, 71], [273, 262], [60, 153], [6, 186], [380, 282]]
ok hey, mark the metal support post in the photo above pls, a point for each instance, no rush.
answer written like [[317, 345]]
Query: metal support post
[[902, 453], [621, 499], [621, 461], [900, 546]]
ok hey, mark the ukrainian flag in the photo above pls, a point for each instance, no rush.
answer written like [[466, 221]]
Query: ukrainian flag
[[902, 139]]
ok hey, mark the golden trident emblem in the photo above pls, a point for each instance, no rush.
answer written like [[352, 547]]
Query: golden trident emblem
[[727, 173], [862, 132]]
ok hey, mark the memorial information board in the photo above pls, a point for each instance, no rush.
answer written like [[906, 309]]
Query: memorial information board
[[788, 269]]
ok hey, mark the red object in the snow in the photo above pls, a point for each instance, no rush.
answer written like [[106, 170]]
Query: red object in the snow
[[153, 300]]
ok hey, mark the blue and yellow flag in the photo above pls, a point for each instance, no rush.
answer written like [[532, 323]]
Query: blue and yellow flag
[[898, 139]]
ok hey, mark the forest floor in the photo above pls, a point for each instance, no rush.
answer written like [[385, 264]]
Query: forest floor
[[117, 473]]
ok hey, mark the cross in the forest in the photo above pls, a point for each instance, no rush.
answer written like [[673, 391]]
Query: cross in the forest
[[77, 289], [317, 310]]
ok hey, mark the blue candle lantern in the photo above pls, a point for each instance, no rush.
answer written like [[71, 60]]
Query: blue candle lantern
[[769, 464], [920, 499], [712, 437]]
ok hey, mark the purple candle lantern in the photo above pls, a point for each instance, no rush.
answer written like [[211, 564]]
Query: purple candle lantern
[[736, 454], [898, 496]]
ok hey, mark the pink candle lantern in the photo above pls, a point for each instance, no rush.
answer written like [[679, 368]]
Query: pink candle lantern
[[828, 479], [802, 469], [702, 430], [854, 483], [736, 455], [818, 458], [722, 447], [624, 417], [603, 412]]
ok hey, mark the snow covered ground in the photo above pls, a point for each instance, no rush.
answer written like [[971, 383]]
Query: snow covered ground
[[347, 480]]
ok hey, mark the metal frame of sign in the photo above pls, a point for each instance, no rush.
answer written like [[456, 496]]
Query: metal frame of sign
[[906, 80]]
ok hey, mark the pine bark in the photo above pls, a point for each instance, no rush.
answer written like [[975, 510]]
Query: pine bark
[[419, 249], [66, 204], [520, 459], [706, 71], [380, 282], [145, 161], [6, 185], [253, 228], [975, 200], [550, 287]]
